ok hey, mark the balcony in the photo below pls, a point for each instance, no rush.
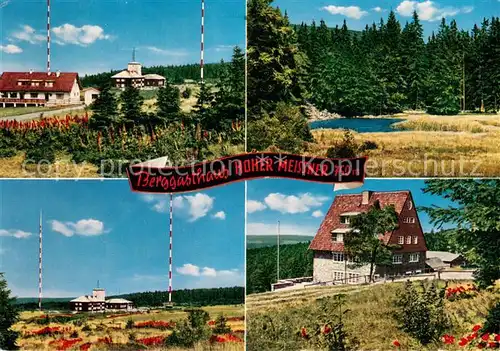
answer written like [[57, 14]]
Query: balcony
[[22, 101]]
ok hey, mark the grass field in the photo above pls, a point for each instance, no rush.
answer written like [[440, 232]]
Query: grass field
[[16, 111], [95, 327], [273, 319], [429, 146]]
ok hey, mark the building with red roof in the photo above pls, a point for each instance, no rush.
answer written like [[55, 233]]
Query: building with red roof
[[39, 89], [330, 263]]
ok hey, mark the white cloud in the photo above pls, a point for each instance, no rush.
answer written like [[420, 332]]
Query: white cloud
[[220, 215], [166, 52], [348, 11], [317, 214], [29, 34], [378, 9], [15, 233], [196, 271], [254, 206], [11, 49], [429, 10], [84, 227], [4, 3], [195, 206], [84, 35], [256, 228], [293, 204], [221, 48]]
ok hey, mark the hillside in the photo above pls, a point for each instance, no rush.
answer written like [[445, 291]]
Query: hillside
[[191, 297], [280, 316], [295, 261], [255, 241]]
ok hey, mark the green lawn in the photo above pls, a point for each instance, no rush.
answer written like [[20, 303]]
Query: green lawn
[[16, 111]]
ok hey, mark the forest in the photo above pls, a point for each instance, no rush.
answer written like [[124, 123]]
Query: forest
[[186, 297], [175, 74], [295, 261]]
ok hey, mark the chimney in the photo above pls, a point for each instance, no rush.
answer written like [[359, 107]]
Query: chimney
[[58, 73], [366, 197]]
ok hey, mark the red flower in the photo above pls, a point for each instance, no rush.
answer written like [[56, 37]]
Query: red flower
[[86, 346], [485, 337], [303, 332], [463, 342], [492, 345], [448, 339], [481, 345], [476, 327], [326, 329], [497, 337], [396, 343]]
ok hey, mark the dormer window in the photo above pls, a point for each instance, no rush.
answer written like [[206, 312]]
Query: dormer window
[[338, 237], [344, 219], [411, 220], [410, 204]]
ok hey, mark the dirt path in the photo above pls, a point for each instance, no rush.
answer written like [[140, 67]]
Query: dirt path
[[50, 113]]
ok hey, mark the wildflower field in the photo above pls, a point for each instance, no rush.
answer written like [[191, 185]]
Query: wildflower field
[[126, 331], [300, 320]]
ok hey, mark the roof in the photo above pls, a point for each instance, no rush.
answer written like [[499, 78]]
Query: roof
[[436, 263], [352, 203], [127, 74], [63, 83], [154, 76], [91, 88], [118, 301], [443, 255], [87, 298]]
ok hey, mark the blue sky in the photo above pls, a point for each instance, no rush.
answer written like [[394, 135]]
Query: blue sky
[[358, 13], [96, 36], [301, 206], [100, 230]]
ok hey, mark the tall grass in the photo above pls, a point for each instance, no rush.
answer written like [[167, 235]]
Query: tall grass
[[370, 319]]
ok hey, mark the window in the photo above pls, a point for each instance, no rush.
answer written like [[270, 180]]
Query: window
[[397, 259], [410, 205], [401, 240], [409, 220], [34, 95], [338, 237], [414, 257], [338, 275], [338, 257], [344, 219], [59, 96], [408, 240], [415, 240]]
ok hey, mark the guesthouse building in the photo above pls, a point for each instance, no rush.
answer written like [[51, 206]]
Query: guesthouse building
[[331, 264], [23, 89]]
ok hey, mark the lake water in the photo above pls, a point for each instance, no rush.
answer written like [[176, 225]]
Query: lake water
[[360, 125]]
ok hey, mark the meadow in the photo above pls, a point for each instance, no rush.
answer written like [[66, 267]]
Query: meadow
[[275, 320], [119, 331], [426, 146]]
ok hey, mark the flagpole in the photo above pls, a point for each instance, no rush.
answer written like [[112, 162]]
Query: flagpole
[[170, 253]]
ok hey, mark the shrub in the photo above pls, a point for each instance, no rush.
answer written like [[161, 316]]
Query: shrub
[[346, 148], [130, 324], [368, 145], [86, 328], [221, 326], [421, 312], [74, 335], [190, 331], [186, 94], [492, 323]]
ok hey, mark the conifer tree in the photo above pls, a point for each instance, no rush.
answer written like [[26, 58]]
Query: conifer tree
[[8, 316], [131, 106], [104, 109], [168, 103]]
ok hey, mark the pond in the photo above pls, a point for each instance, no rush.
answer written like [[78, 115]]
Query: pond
[[360, 125]]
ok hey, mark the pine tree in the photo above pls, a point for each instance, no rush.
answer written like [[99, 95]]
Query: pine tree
[[104, 109], [131, 106], [8, 316], [168, 103]]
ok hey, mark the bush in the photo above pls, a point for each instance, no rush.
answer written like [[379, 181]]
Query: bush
[[368, 145], [130, 324], [86, 328], [74, 335], [190, 331], [492, 323], [221, 326], [346, 148], [421, 311], [186, 94]]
